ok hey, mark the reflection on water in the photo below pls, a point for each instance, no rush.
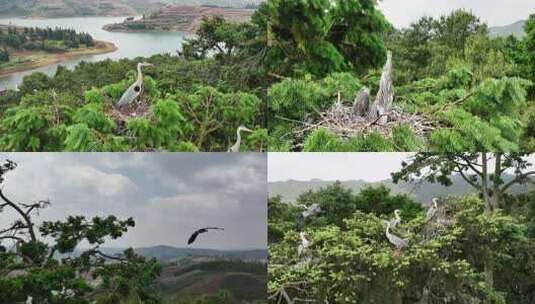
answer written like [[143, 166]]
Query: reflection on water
[[130, 45]]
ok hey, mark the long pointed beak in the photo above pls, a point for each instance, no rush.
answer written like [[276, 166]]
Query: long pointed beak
[[247, 130]]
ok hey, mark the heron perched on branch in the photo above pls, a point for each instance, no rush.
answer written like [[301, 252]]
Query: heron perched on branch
[[396, 220], [394, 239], [133, 92], [312, 210], [303, 249], [236, 147], [432, 210], [195, 234], [377, 112]]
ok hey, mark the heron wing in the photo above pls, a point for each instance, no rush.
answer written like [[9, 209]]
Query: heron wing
[[193, 237], [385, 96], [129, 95]]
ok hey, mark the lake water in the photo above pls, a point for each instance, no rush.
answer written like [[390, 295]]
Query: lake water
[[130, 45]]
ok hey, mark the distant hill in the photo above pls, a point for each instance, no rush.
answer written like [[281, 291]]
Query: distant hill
[[290, 190], [172, 254], [179, 18], [516, 29], [77, 8]]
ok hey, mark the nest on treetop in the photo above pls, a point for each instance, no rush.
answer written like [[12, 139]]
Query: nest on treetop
[[344, 122]]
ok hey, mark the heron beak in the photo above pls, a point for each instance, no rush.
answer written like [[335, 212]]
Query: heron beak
[[247, 130]]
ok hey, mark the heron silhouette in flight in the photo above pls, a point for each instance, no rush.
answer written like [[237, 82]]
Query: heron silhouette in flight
[[236, 147], [133, 92], [432, 210], [195, 234], [394, 239]]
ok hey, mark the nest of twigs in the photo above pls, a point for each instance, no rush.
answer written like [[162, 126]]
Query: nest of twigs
[[140, 108], [341, 120]]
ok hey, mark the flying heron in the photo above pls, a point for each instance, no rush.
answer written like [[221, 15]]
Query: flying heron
[[195, 234], [394, 239], [135, 89], [432, 210], [236, 147]]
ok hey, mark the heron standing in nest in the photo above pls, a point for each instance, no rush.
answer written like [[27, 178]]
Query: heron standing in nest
[[236, 147], [135, 90]]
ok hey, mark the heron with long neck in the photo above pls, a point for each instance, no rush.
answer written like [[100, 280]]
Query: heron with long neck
[[133, 92], [396, 220], [236, 147], [394, 239], [432, 210], [305, 244]]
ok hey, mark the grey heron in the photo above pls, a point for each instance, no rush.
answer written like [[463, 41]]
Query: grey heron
[[394, 239], [236, 147], [312, 210], [302, 250], [195, 234], [432, 210], [135, 89], [377, 111], [362, 102], [396, 220]]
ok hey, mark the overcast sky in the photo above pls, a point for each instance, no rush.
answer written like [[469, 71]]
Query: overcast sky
[[495, 12], [371, 167], [169, 195]]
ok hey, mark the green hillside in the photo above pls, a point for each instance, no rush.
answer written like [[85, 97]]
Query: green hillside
[[208, 280]]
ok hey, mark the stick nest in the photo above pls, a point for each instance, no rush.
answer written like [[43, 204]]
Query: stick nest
[[137, 109], [341, 120]]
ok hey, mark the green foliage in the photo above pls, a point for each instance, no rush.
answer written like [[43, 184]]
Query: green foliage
[[353, 262], [321, 37]]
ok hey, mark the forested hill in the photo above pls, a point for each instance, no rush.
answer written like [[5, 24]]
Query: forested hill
[[290, 190], [76, 8], [516, 29]]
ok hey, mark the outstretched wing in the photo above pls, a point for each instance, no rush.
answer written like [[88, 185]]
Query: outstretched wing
[[193, 237]]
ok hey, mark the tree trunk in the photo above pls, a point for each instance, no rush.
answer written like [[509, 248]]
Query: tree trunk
[[485, 183]]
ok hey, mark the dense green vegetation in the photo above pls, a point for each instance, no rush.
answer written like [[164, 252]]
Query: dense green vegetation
[[463, 90], [476, 249], [43, 39], [286, 74], [188, 104]]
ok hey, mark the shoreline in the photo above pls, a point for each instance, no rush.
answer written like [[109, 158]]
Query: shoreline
[[102, 47]]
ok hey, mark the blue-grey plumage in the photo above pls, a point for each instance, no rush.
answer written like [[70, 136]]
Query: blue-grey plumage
[[236, 147], [383, 101], [133, 92], [394, 239]]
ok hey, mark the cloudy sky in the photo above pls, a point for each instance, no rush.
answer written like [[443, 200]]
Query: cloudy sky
[[169, 195], [371, 167], [495, 12]]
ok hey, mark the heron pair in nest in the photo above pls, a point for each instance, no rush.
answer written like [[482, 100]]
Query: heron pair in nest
[[379, 116]]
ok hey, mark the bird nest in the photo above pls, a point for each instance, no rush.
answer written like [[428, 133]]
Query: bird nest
[[341, 120], [137, 109]]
